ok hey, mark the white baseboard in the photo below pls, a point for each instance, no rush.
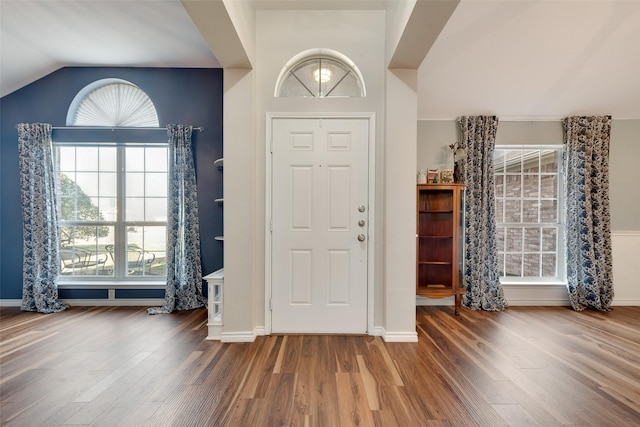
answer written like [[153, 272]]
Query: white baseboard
[[409, 336], [248, 336], [625, 302], [118, 302], [10, 303]]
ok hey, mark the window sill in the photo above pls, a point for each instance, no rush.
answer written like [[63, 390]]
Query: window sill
[[111, 284], [521, 283]]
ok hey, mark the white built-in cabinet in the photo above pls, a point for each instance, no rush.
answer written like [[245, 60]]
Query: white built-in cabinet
[[215, 283]]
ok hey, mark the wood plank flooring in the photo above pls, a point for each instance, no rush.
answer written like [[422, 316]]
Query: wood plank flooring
[[526, 366]]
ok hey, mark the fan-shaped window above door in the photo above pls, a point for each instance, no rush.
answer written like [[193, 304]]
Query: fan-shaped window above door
[[320, 73], [112, 102]]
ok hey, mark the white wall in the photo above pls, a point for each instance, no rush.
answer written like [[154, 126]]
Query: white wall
[[239, 187], [434, 136], [361, 37]]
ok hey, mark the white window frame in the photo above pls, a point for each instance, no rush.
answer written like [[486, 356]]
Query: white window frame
[[560, 278], [119, 279]]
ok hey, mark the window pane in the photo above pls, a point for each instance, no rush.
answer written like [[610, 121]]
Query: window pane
[[530, 186], [513, 161], [512, 186], [146, 251], [108, 159], [499, 210], [108, 209], [531, 160], [549, 239], [87, 158], [512, 211], [532, 239], [134, 184], [66, 159], [107, 184], [500, 238], [155, 184], [549, 211], [135, 159], [156, 159], [549, 186], [88, 183], [531, 265], [549, 161], [513, 265], [155, 209], [499, 183], [530, 211], [134, 210], [549, 265], [514, 239]]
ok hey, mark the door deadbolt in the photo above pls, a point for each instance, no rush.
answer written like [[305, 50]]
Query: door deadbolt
[[361, 208], [361, 223], [361, 237]]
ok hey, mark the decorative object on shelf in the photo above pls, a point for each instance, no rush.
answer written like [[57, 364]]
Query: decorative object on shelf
[[459, 153], [446, 176], [422, 176], [432, 176]]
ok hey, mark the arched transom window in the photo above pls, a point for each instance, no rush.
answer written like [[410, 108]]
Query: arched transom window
[[112, 102], [320, 73]]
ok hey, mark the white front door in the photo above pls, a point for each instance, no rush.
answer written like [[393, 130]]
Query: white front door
[[319, 225]]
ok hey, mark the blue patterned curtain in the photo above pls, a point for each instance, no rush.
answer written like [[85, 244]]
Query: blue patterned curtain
[[481, 273], [41, 239], [184, 271], [587, 221]]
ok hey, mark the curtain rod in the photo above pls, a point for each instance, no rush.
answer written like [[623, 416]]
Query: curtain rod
[[201, 129]]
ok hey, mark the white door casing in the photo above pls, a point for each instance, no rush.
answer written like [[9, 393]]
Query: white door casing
[[318, 246]]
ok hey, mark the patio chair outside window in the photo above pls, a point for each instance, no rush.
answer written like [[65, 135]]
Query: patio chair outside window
[[138, 260], [79, 261]]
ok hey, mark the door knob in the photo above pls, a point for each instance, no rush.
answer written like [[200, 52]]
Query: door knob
[[361, 223], [361, 208], [361, 237]]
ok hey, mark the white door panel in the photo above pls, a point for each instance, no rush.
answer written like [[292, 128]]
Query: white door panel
[[319, 267]]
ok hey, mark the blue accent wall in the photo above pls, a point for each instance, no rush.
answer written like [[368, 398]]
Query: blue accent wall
[[181, 96]]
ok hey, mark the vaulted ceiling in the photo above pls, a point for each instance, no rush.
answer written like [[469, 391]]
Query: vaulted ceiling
[[517, 59]]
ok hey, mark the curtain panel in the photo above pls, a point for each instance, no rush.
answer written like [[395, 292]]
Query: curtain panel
[[481, 273], [587, 215], [184, 270], [41, 238]]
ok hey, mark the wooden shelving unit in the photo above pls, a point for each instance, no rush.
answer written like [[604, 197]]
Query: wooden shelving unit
[[439, 232]]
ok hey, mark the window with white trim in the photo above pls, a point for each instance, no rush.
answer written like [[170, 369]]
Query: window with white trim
[[528, 214], [113, 194]]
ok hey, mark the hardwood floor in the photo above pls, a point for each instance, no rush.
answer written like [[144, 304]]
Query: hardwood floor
[[121, 367]]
